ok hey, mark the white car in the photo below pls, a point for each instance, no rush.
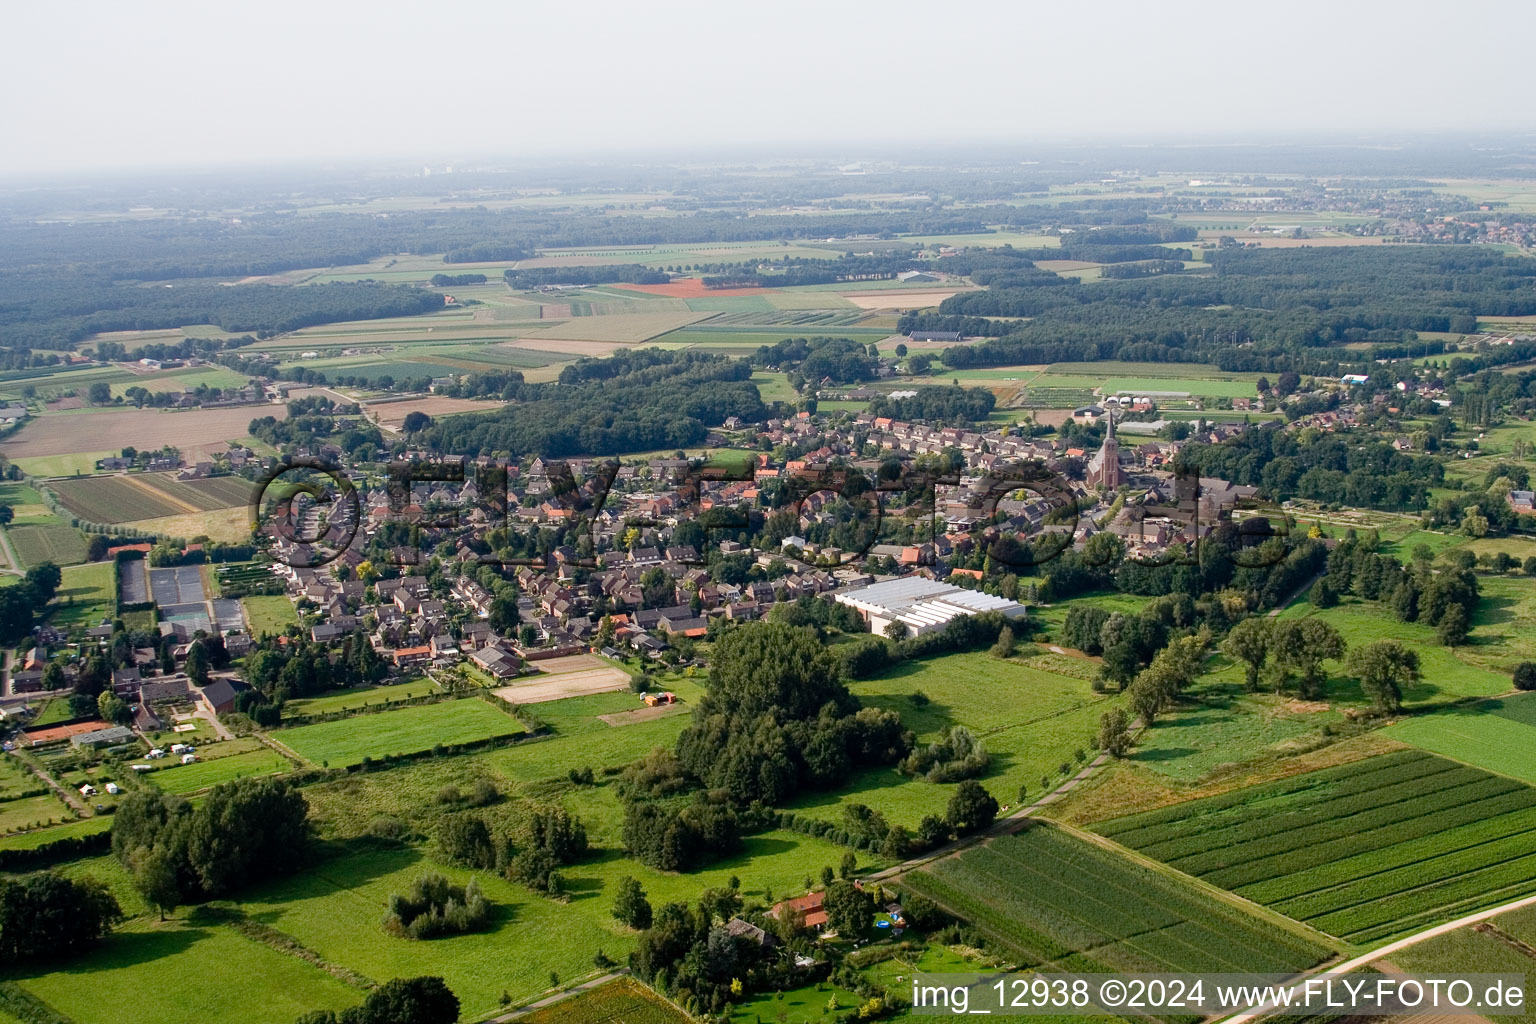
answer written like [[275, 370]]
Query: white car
[[188, 758]]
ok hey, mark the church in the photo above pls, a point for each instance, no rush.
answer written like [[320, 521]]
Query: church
[[1104, 468]]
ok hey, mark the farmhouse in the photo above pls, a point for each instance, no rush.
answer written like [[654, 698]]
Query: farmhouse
[[922, 605], [810, 905]]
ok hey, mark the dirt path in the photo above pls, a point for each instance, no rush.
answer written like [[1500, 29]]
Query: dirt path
[[64, 793], [559, 997], [155, 492], [10, 552]]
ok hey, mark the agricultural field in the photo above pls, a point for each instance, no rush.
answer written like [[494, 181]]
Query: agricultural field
[[1052, 899], [197, 432], [1499, 734], [1363, 851], [217, 761], [46, 542], [1031, 720], [405, 731], [624, 1001], [231, 525]]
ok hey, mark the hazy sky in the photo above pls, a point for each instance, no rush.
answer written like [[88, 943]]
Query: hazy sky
[[99, 85]]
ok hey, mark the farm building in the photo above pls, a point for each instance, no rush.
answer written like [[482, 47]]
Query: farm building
[[219, 695], [935, 336], [922, 605], [99, 738]]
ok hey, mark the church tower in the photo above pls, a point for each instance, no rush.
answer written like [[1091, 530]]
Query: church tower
[[1104, 468]]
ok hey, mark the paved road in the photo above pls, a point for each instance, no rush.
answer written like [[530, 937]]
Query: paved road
[[1254, 1012]]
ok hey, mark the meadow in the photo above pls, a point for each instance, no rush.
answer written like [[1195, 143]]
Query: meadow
[[210, 770], [351, 700], [1364, 851], [406, 731], [189, 971], [1499, 734], [1031, 720], [1053, 899], [269, 613], [1447, 673]]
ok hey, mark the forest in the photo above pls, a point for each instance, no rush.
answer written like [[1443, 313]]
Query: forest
[[1261, 310], [638, 400], [55, 310]]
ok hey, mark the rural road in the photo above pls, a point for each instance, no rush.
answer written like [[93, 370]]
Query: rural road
[[523, 1011], [1254, 1012]]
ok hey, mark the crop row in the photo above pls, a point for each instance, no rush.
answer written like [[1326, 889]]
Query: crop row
[[1359, 813], [1266, 802], [1225, 929], [1080, 917], [1390, 858], [1305, 856], [1425, 872], [988, 912], [1518, 875], [1238, 797], [1448, 911]]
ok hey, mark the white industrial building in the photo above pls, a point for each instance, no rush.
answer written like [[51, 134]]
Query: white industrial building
[[923, 605]]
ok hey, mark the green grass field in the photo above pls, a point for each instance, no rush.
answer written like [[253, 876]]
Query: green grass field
[[186, 972], [406, 731], [1364, 851], [1499, 734], [203, 774], [1031, 721], [1447, 675], [269, 613], [350, 700], [1051, 898], [85, 596]]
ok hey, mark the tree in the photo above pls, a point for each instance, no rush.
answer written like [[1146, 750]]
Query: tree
[[113, 708], [1384, 668], [1452, 628], [414, 421], [1301, 646], [1006, 644], [48, 915], [630, 907], [465, 839], [99, 393], [895, 630], [197, 664], [849, 866], [971, 808], [1322, 594], [1525, 675], [1249, 642], [153, 870], [850, 910], [6, 515], [1114, 736]]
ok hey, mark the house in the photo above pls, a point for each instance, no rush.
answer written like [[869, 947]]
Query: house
[[496, 661], [810, 905], [219, 695], [404, 656], [737, 928]]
